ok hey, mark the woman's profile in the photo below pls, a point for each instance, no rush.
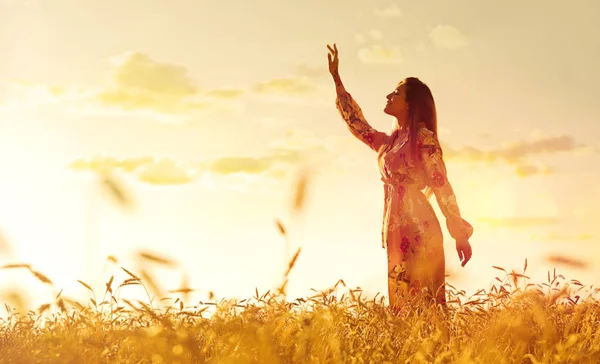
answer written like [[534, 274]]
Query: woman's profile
[[412, 169]]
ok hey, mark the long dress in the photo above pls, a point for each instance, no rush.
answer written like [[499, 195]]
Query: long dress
[[411, 231]]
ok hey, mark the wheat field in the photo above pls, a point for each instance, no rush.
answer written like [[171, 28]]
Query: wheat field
[[514, 321]]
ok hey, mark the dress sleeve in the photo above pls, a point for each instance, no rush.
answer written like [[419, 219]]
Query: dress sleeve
[[437, 179], [359, 127]]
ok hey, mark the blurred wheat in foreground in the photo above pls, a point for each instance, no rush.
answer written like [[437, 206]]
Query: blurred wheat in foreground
[[515, 322]]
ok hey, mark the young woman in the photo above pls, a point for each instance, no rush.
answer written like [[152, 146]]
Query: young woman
[[412, 169]]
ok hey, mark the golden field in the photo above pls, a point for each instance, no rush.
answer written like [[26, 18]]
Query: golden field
[[551, 322], [515, 321]]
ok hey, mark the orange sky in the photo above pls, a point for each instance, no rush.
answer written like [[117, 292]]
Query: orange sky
[[207, 111]]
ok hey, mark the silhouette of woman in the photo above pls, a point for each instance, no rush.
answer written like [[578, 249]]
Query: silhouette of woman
[[412, 169]]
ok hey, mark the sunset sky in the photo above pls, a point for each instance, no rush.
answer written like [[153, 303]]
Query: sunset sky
[[207, 111]]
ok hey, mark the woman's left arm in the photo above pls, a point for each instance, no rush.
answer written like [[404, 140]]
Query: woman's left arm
[[437, 179]]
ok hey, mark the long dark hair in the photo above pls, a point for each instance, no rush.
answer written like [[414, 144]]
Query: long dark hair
[[421, 108]]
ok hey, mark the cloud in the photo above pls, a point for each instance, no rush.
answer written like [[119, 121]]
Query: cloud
[[518, 222], [517, 154], [305, 70], [391, 11], [380, 54], [303, 146], [106, 164], [262, 174], [448, 37], [149, 170], [137, 81], [230, 165], [550, 145], [140, 85], [278, 157], [165, 172], [295, 90], [531, 170], [20, 93], [138, 72], [295, 148], [562, 237], [293, 85], [135, 84]]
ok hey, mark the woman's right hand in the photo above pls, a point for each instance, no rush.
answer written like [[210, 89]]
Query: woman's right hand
[[332, 56]]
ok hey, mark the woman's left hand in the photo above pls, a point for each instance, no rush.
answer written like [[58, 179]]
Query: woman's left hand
[[463, 247]]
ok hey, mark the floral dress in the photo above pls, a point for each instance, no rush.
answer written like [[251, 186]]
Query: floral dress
[[411, 231]]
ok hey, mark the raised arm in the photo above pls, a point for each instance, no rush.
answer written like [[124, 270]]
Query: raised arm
[[437, 179], [349, 109]]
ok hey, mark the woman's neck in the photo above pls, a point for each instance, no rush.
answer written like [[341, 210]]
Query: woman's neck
[[401, 124]]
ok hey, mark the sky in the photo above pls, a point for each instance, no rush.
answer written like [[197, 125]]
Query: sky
[[207, 113]]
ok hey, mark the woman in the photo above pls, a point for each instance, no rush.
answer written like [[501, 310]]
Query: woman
[[410, 160]]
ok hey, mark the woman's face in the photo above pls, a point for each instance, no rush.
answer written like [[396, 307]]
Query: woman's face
[[396, 104]]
